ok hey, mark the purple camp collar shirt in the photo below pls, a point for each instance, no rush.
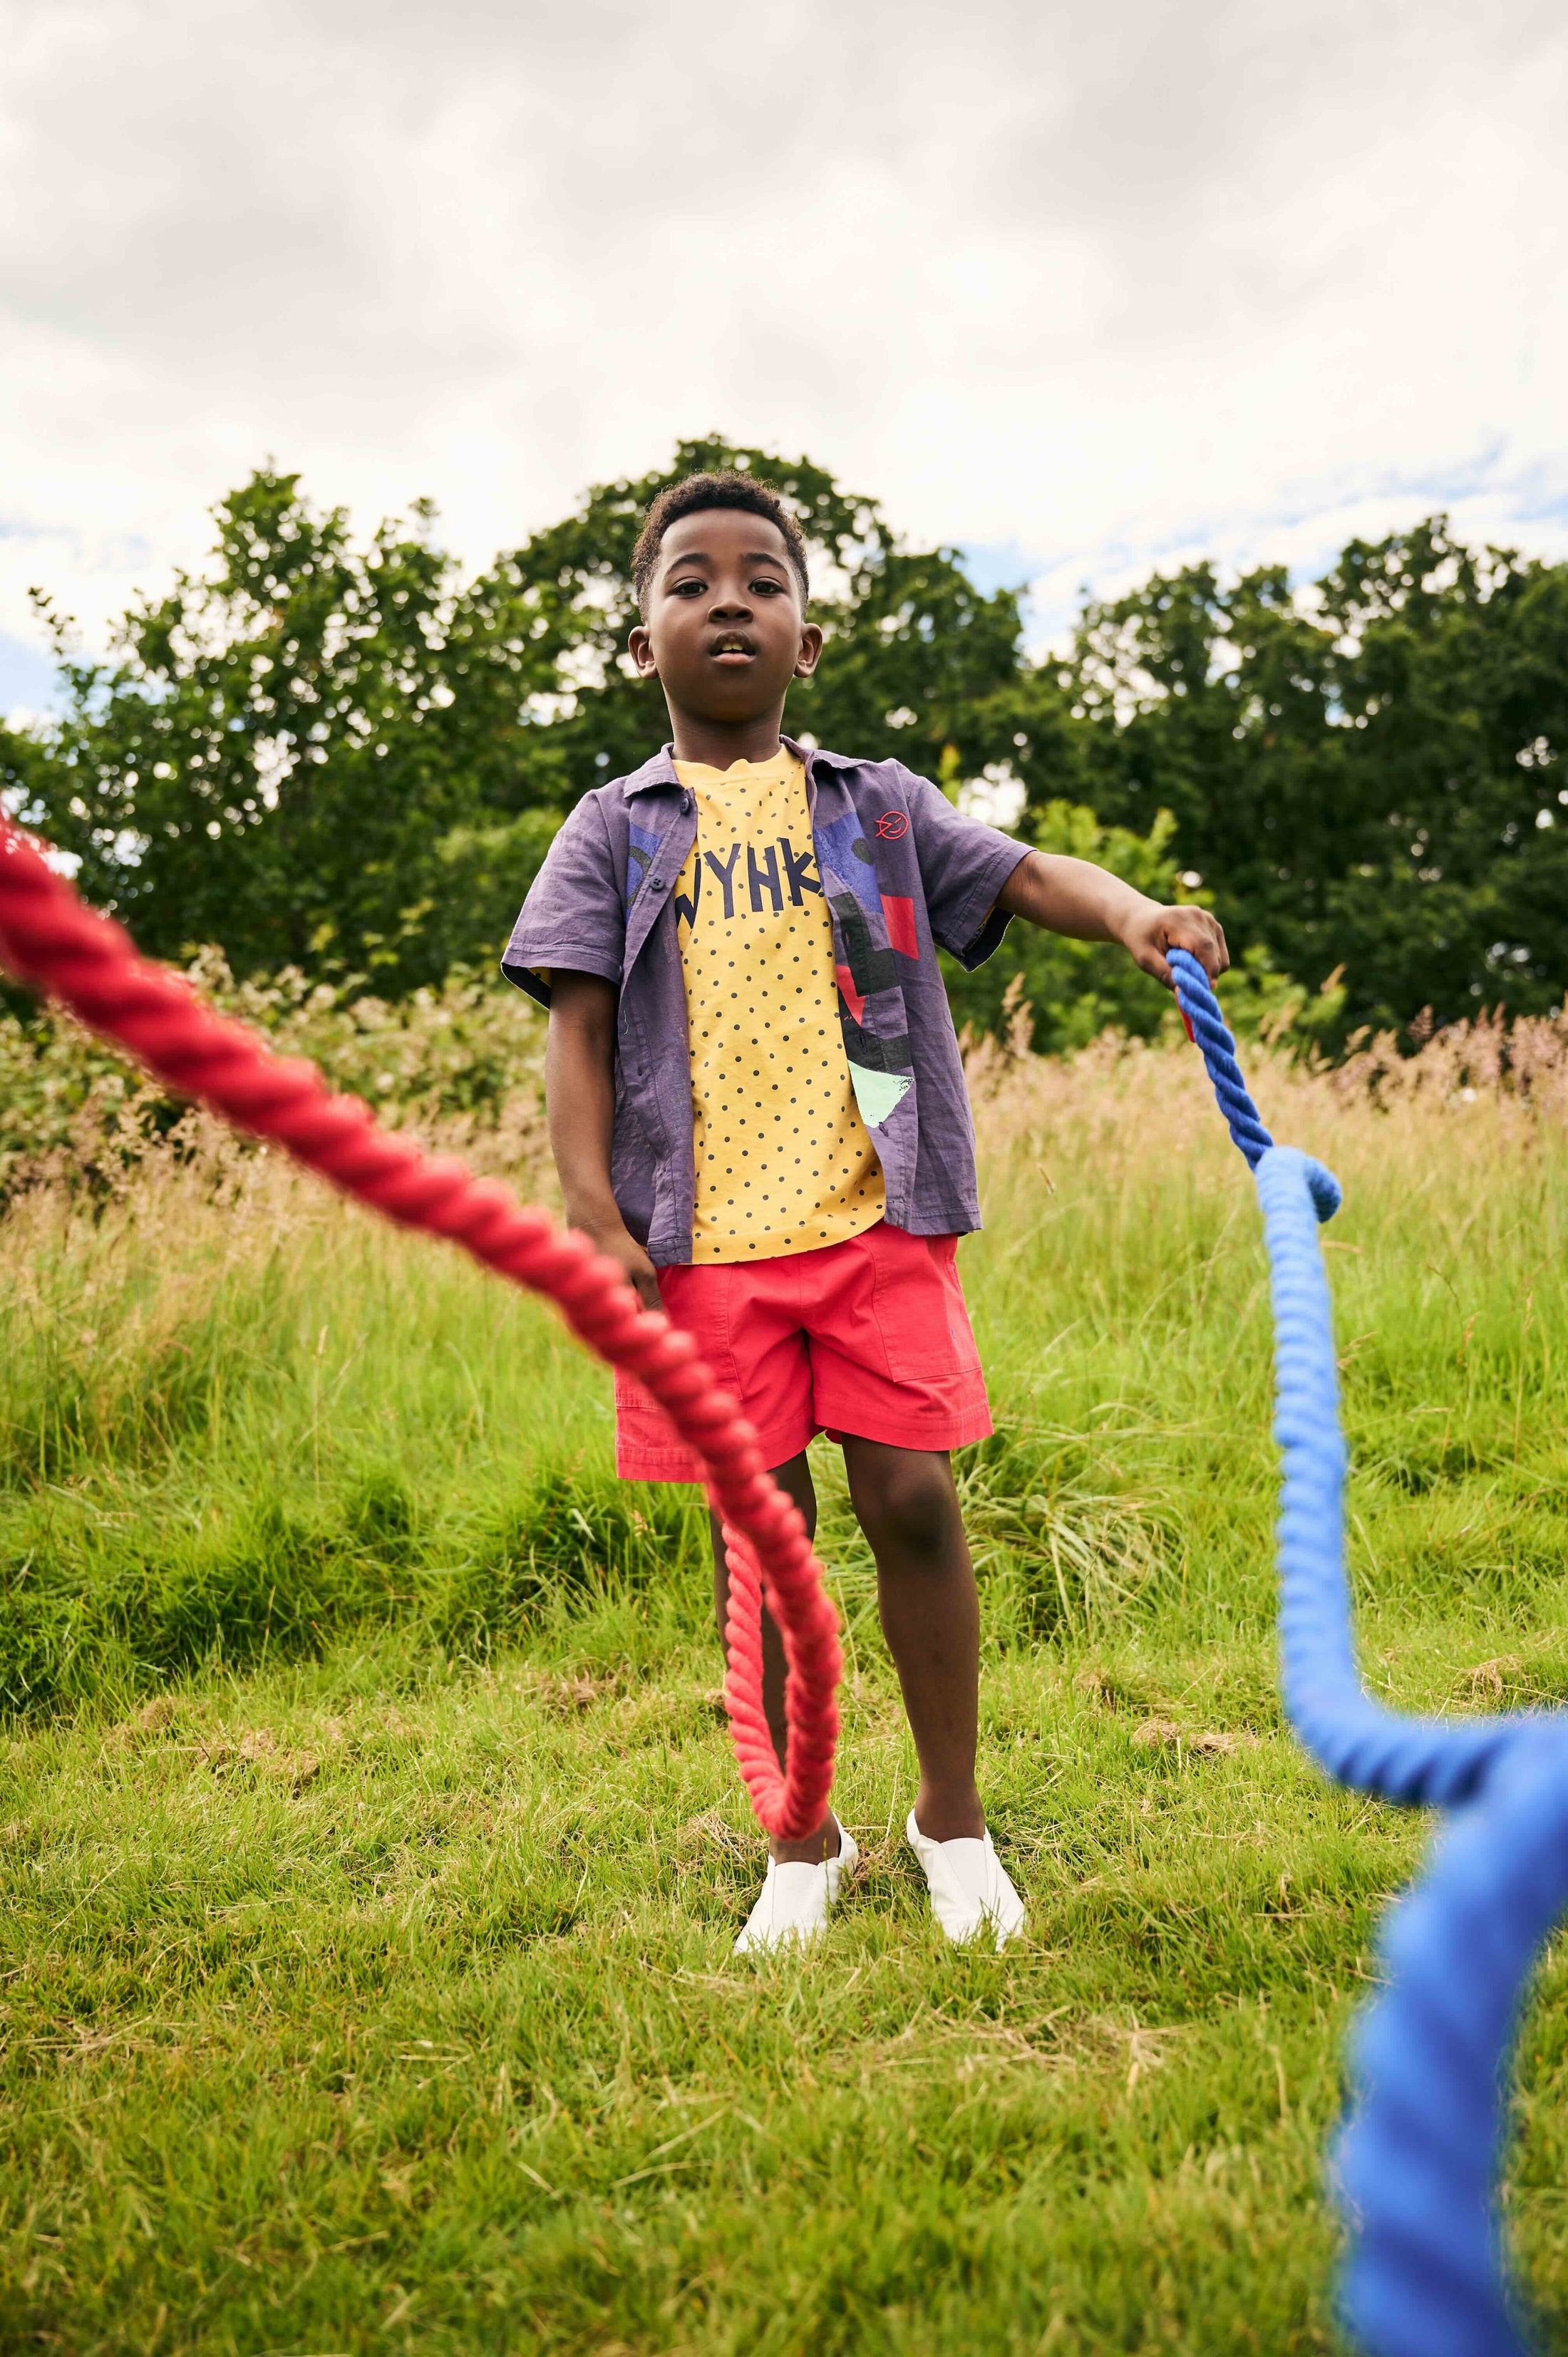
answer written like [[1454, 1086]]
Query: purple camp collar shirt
[[903, 874]]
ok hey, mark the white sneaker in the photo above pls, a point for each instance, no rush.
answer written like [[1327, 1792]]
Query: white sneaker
[[792, 1905], [971, 1890]]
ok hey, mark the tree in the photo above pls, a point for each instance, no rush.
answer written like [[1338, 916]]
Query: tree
[[274, 752], [354, 756], [311, 752], [1369, 777]]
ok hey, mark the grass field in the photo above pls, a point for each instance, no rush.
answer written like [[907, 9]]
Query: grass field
[[372, 1850]]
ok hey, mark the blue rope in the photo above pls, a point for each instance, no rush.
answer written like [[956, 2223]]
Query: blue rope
[[1416, 2168]]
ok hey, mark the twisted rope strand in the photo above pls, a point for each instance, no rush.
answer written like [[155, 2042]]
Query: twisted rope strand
[[1415, 1762], [1417, 2165], [1419, 2160], [1206, 1025], [49, 939]]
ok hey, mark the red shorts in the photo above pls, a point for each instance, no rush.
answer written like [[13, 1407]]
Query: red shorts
[[868, 1336]]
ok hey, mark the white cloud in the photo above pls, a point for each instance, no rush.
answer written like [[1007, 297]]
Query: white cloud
[[1106, 287]]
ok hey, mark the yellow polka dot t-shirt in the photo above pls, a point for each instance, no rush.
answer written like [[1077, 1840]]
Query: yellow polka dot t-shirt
[[784, 1161]]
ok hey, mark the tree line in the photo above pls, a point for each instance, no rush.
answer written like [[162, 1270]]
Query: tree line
[[348, 756]]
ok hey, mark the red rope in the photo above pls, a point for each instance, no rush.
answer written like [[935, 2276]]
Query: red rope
[[51, 940]]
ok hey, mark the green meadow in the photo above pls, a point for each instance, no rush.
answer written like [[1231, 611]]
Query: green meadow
[[372, 1850]]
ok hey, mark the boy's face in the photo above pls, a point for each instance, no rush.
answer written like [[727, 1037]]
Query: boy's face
[[725, 631]]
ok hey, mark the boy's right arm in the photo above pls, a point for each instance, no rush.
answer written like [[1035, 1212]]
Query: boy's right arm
[[579, 1096]]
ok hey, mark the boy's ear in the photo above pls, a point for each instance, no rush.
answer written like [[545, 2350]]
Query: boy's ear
[[810, 650], [640, 646]]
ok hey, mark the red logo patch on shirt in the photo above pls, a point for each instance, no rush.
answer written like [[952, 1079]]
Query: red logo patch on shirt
[[900, 915], [892, 826]]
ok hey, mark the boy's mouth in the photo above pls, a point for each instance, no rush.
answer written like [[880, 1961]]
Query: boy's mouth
[[733, 648]]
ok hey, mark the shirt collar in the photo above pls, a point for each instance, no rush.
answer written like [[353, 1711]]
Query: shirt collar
[[659, 771]]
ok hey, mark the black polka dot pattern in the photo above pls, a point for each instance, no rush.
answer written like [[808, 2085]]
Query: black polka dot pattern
[[784, 1162]]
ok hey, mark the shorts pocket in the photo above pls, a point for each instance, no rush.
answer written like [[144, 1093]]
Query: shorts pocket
[[700, 1301], [919, 1308]]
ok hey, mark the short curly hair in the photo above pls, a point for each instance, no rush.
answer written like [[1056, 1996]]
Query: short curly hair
[[693, 496]]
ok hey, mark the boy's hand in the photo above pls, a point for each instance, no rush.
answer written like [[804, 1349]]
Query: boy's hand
[[617, 1243], [1151, 931]]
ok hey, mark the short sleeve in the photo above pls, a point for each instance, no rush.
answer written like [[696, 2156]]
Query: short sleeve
[[573, 917], [963, 866]]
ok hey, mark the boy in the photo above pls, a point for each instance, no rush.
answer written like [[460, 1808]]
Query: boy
[[756, 1107]]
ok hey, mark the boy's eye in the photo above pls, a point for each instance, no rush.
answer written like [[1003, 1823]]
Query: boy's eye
[[772, 587], [689, 589]]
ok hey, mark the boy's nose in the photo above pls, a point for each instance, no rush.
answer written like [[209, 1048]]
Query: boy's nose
[[731, 608]]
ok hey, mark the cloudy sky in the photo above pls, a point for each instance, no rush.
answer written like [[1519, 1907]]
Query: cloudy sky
[[1081, 289]]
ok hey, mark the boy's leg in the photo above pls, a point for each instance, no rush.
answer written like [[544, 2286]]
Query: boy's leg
[[905, 1501], [795, 1480]]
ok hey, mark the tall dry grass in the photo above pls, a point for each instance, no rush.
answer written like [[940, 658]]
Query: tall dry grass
[[207, 1324]]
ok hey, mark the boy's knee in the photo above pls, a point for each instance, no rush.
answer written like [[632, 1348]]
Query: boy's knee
[[911, 1508]]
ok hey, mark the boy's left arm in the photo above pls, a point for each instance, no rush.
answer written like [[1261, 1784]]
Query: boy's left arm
[[1086, 903]]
